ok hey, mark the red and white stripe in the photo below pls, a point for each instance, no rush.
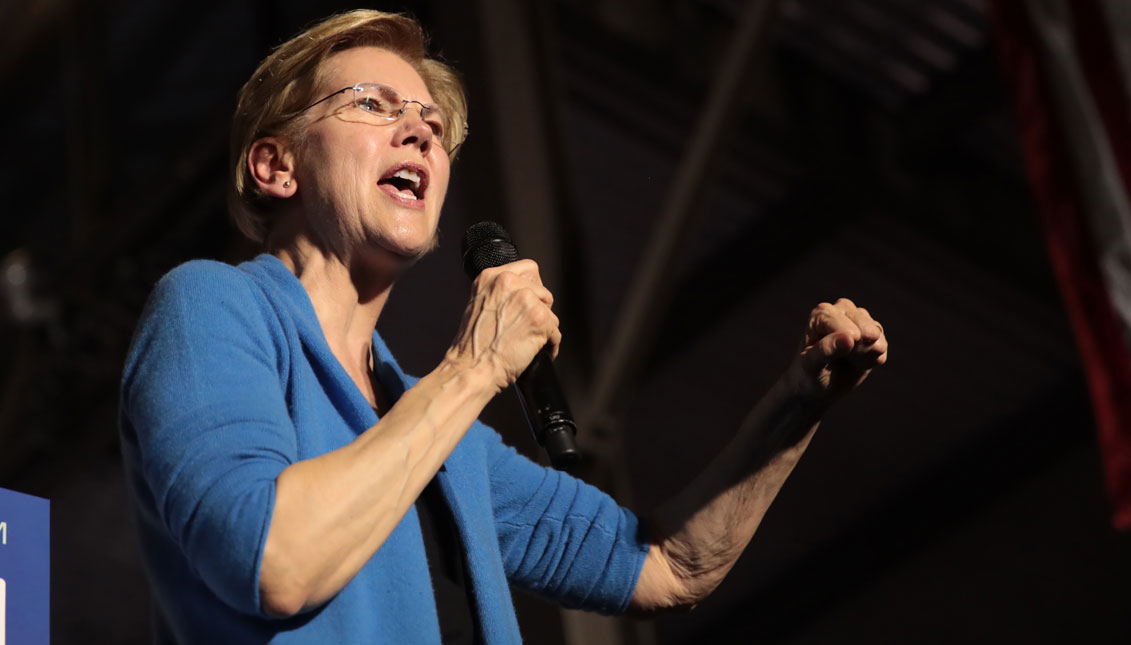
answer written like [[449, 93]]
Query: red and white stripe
[[1068, 63]]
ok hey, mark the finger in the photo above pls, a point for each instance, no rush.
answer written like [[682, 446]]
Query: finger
[[555, 342], [828, 319], [865, 356], [506, 280], [531, 305], [546, 322], [526, 268], [531, 296], [493, 279], [533, 309], [870, 330], [879, 348], [829, 348], [543, 294], [504, 286]]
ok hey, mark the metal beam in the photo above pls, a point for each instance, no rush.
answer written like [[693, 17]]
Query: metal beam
[[648, 296], [520, 178], [520, 74], [522, 136]]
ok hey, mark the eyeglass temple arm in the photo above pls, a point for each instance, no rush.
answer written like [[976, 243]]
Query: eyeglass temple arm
[[327, 98]]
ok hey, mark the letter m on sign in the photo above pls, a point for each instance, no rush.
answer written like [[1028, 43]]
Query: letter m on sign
[[25, 568]]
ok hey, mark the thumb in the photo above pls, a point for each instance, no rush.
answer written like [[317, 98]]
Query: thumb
[[826, 350]]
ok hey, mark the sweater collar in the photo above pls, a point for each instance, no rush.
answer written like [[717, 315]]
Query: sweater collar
[[271, 270]]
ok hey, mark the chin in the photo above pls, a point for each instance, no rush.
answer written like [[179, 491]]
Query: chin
[[410, 249]]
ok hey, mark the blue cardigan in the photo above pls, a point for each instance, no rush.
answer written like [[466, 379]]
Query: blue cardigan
[[228, 381]]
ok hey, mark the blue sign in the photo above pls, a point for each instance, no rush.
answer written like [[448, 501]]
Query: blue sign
[[25, 569]]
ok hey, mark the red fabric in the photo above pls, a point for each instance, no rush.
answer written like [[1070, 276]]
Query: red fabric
[[1101, 68], [1107, 363], [1092, 39]]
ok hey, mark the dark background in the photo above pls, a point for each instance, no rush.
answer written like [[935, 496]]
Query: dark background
[[869, 151]]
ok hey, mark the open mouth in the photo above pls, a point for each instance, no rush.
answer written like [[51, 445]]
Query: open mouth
[[408, 180]]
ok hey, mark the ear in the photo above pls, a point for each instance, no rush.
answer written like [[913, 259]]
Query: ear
[[271, 163]]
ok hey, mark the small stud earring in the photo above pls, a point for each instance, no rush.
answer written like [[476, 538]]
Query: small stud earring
[[287, 184]]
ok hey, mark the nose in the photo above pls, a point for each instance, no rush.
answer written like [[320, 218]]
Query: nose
[[413, 130]]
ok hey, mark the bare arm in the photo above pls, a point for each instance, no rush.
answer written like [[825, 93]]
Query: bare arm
[[699, 535], [333, 512]]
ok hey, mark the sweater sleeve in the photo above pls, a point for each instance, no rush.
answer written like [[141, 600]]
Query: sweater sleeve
[[561, 537], [202, 397]]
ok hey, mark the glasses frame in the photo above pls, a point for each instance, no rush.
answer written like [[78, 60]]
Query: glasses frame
[[424, 107]]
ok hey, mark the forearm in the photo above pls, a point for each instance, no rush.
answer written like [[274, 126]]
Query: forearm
[[699, 535], [333, 512]]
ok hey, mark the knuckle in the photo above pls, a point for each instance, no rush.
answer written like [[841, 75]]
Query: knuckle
[[528, 298], [525, 266], [845, 302], [541, 317]]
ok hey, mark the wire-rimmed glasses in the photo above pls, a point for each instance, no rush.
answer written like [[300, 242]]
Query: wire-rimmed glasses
[[386, 104]]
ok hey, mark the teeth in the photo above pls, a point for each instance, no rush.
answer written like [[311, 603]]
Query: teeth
[[406, 195], [405, 173]]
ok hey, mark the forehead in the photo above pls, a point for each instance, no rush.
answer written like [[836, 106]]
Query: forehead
[[374, 65]]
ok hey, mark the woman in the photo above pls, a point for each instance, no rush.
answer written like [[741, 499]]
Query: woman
[[281, 464]]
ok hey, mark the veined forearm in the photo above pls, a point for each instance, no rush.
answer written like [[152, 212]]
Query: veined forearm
[[698, 536], [333, 512]]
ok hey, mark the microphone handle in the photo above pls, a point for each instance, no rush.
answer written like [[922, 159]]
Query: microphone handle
[[546, 410]]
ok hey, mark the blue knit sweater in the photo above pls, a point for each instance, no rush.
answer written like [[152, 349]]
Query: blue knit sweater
[[228, 381]]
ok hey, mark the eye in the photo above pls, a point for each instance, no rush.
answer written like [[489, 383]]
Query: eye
[[434, 119], [375, 104]]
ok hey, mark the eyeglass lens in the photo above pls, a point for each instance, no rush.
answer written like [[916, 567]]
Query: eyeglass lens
[[384, 102]]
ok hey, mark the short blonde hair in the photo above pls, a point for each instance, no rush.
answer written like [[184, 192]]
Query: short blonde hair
[[286, 81]]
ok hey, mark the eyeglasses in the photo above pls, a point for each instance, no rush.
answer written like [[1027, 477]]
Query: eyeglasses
[[386, 104]]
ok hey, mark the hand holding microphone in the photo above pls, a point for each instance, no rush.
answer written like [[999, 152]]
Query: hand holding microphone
[[509, 322]]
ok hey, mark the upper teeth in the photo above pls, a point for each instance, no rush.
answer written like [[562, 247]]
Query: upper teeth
[[405, 173]]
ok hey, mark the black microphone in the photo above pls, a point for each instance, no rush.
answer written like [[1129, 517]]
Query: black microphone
[[486, 245]]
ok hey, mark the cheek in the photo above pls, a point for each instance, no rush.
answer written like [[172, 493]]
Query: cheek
[[343, 175], [438, 189]]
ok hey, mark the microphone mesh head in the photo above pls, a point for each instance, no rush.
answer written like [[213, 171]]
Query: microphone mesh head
[[486, 245]]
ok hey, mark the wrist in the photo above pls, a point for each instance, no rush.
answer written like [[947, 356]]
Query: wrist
[[477, 374], [804, 392]]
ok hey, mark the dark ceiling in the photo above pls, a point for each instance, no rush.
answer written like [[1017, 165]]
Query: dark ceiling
[[865, 149]]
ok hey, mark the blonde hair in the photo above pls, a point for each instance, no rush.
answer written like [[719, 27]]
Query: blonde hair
[[286, 81]]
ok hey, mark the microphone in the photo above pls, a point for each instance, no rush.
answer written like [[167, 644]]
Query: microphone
[[486, 245]]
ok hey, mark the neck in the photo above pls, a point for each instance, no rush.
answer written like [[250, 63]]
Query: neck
[[348, 297]]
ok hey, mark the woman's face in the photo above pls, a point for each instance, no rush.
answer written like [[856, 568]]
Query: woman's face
[[345, 168]]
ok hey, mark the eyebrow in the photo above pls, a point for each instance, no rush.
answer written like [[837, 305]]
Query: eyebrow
[[387, 91]]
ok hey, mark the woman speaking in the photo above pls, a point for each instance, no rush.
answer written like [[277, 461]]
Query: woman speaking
[[292, 484]]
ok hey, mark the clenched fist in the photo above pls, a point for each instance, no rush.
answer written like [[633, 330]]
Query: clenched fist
[[507, 321], [842, 344]]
